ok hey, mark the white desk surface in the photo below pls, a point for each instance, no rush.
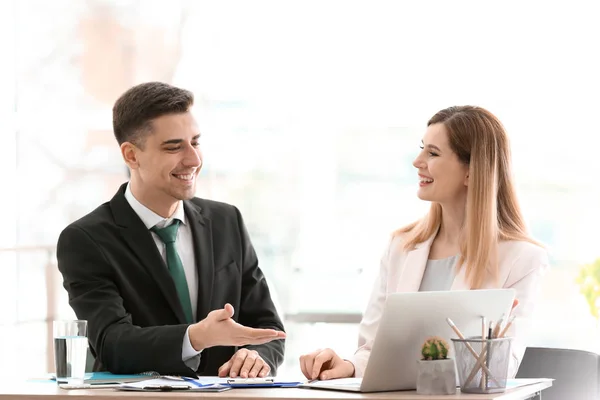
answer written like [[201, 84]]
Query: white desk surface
[[50, 391]]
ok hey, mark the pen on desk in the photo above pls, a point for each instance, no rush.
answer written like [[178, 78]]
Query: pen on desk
[[192, 381], [508, 324]]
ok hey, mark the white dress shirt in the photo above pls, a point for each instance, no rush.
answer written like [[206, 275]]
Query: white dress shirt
[[185, 248]]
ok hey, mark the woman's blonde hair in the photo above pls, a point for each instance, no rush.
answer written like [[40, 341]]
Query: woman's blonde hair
[[492, 210]]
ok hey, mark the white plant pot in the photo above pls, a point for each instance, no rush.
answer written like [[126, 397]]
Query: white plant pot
[[436, 377]]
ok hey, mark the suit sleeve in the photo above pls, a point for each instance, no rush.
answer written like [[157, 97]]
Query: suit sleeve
[[526, 278], [372, 316], [256, 307], [121, 346]]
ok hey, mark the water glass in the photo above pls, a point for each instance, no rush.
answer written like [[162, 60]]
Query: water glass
[[70, 350]]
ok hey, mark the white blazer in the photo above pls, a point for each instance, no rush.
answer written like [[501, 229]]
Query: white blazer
[[521, 266]]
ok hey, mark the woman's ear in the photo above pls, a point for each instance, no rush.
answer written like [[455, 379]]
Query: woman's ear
[[467, 179]]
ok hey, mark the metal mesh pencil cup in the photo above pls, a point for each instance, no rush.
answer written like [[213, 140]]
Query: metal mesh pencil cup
[[482, 364]]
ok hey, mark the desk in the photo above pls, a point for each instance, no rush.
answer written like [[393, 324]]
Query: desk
[[49, 391]]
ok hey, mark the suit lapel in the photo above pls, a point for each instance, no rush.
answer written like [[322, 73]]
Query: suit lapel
[[203, 254], [139, 239], [413, 267]]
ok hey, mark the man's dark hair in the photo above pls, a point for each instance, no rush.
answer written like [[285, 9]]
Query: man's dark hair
[[134, 111]]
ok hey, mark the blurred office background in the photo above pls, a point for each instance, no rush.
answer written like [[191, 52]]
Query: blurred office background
[[311, 113]]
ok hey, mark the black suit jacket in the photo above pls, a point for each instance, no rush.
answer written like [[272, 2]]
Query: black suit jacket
[[118, 282]]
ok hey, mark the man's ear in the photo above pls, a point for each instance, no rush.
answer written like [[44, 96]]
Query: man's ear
[[130, 151]]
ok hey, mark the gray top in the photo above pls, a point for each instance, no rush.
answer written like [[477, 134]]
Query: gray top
[[439, 274]]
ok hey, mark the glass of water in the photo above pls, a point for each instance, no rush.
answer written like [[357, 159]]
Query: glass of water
[[70, 350]]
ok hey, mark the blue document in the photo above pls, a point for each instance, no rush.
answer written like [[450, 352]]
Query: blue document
[[102, 378], [107, 377], [259, 383]]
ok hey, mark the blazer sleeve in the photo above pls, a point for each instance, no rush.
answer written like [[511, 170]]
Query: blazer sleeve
[[526, 276], [256, 306], [121, 346], [372, 315]]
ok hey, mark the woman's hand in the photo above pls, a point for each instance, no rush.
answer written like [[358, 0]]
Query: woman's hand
[[325, 364]]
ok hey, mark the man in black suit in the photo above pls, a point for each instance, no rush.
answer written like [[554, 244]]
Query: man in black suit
[[157, 272]]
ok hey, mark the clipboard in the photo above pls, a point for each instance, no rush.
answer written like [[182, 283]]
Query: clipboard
[[173, 385], [174, 388]]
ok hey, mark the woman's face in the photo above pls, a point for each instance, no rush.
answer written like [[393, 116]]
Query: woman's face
[[443, 178]]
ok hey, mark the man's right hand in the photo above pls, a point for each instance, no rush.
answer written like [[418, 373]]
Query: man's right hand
[[219, 329], [325, 364]]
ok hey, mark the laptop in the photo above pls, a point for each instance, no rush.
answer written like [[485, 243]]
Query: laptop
[[407, 320]]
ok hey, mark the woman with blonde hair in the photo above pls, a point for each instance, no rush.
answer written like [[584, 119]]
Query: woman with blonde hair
[[474, 236]]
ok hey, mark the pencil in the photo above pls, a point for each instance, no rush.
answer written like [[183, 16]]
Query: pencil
[[508, 324], [483, 323], [498, 327], [478, 359], [483, 347], [489, 352], [461, 337], [455, 329]]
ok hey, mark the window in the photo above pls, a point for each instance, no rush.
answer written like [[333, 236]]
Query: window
[[311, 115]]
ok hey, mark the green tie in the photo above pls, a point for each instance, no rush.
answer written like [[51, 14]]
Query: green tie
[[168, 235]]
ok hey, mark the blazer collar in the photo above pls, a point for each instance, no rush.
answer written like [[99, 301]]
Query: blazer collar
[[201, 227], [149, 217], [138, 238], [414, 266]]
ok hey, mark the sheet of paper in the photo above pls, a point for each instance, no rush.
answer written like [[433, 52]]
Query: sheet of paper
[[157, 382], [205, 380], [513, 383], [335, 382], [177, 381]]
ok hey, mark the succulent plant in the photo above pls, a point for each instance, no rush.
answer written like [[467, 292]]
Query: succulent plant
[[435, 348]]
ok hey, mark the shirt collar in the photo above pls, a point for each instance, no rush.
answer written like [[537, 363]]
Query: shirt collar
[[149, 217]]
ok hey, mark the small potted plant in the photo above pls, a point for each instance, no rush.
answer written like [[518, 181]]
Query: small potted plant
[[436, 373]]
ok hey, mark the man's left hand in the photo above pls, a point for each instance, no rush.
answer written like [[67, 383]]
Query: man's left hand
[[245, 364]]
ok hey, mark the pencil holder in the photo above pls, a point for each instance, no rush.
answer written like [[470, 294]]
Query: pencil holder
[[482, 364]]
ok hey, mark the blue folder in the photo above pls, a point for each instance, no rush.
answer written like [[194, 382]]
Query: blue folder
[[259, 384], [97, 378]]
